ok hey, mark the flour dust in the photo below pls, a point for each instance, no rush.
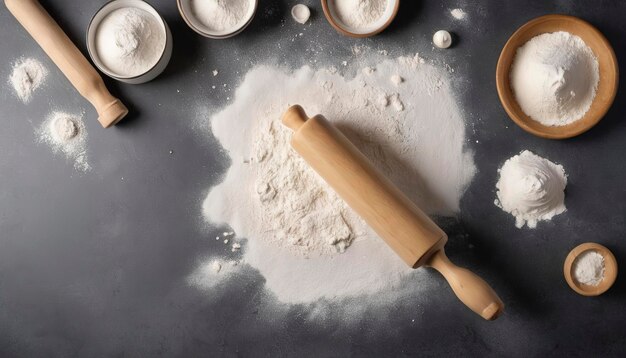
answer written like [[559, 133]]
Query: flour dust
[[299, 235]]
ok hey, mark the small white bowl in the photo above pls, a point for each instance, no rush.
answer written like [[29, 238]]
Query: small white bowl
[[91, 41], [376, 27], [187, 13]]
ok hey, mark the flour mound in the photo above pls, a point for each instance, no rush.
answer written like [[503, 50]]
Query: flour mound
[[28, 74], [300, 235], [360, 13], [458, 14], [63, 128], [65, 133], [554, 78], [531, 188], [589, 268], [220, 15], [130, 41]]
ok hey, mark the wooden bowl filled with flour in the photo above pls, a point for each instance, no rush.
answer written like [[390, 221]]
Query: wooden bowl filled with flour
[[217, 19], [557, 76], [590, 269]]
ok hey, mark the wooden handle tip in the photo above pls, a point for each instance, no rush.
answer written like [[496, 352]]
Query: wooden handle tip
[[294, 117], [492, 311], [112, 113]]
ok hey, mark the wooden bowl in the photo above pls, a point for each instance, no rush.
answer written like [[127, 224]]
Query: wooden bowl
[[607, 85], [386, 19], [610, 269]]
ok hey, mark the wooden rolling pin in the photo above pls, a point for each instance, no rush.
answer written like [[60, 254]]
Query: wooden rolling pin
[[409, 232], [42, 27]]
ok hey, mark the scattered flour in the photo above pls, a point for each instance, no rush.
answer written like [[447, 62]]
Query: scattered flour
[[531, 188], [458, 14], [28, 74], [221, 15], [66, 133], [296, 227], [129, 41], [554, 78], [211, 272], [589, 268], [396, 103], [216, 266], [359, 14]]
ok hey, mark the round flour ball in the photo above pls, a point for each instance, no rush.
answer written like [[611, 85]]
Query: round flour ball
[[442, 39], [64, 128], [531, 188], [301, 13]]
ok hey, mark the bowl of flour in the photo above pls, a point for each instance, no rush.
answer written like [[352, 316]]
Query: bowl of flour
[[557, 76], [129, 41], [590, 269], [360, 18], [217, 19]]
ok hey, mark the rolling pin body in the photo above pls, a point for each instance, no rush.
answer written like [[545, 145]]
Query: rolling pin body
[[407, 230], [42, 27]]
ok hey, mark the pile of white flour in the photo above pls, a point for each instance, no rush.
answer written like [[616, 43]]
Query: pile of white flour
[[531, 188], [295, 225], [359, 13], [27, 75], [130, 41], [221, 15], [554, 78], [458, 14], [589, 268], [65, 133]]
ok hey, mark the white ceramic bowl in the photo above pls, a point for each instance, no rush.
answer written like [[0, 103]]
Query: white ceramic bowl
[[186, 12], [91, 41], [376, 27]]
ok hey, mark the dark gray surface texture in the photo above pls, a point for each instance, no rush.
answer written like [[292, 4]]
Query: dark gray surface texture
[[94, 264]]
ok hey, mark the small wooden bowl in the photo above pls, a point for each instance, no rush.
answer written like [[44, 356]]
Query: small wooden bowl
[[386, 19], [607, 85], [610, 269]]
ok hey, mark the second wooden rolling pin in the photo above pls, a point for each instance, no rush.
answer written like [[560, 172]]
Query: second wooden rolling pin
[[409, 232], [42, 27]]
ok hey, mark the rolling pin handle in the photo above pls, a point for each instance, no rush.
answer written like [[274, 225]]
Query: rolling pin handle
[[294, 117], [110, 109], [472, 290]]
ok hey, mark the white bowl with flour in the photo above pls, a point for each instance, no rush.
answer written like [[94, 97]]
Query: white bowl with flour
[[217, 19], [129, 41]]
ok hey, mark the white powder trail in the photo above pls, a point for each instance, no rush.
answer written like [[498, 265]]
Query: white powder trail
[[294, 224]]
